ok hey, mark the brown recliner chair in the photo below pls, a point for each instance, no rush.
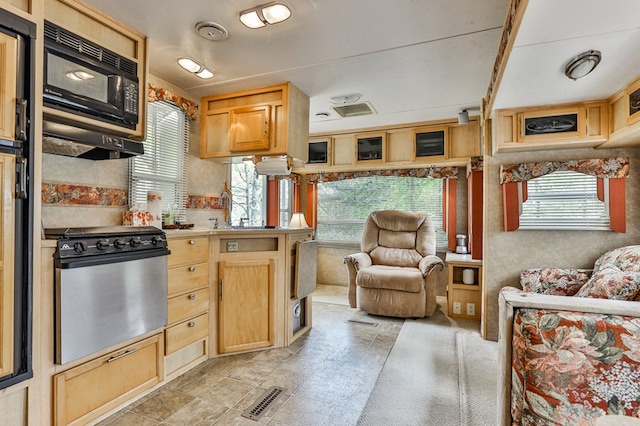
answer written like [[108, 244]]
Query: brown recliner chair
[[396, 273]]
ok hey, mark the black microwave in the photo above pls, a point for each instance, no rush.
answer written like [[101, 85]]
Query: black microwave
[[86, 79]]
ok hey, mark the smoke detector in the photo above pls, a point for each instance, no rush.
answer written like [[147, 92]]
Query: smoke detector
[[212, 31]]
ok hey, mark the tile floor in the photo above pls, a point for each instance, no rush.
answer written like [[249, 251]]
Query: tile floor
[[328, 375]]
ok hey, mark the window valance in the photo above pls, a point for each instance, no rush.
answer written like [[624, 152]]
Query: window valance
[[424, 172], [159, 94], [599, 167]]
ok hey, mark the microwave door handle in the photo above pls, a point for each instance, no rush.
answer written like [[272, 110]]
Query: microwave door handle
[[21, 120], [21, 178]]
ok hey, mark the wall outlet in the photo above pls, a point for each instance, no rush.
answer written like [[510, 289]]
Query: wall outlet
[[457, 308], [232, 246], [471, 309]]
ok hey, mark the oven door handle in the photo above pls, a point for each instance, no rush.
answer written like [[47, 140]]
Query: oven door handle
[[83, 262]]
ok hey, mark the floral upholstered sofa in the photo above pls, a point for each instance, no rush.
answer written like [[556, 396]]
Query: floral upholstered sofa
[[570, 343]]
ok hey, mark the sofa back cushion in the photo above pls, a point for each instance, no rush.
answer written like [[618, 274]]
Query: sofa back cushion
[[554, 281], [398, 238], [616, 275]]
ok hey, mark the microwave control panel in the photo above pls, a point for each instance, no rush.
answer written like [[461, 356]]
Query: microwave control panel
[[130, 97]]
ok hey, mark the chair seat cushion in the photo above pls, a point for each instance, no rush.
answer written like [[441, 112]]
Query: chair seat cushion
[[391, 278]]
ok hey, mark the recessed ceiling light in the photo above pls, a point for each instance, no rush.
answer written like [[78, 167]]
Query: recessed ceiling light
[[275, 13], [582, 64], [322, 115]]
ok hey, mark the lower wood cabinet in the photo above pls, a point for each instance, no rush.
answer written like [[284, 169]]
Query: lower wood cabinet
[[186, 333], [246, 300], [87, 391]]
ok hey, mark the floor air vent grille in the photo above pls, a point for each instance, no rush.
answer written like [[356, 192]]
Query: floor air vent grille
[[262, 405]]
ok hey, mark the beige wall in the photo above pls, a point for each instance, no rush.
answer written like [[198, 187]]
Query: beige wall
[[507, 253]]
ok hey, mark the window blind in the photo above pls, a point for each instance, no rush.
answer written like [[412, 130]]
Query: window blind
[[344, 205], [564, 200], [163, 167]]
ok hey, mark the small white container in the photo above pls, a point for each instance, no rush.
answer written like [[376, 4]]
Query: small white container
[[468, 276]]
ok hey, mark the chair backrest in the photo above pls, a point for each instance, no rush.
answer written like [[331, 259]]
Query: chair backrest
[[398, 238]]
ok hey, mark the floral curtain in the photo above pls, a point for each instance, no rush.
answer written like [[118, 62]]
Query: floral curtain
[[159, 94], [599, 167], [424, 172]]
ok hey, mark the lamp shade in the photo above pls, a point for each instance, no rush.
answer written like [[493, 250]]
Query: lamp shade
[[298, 221]]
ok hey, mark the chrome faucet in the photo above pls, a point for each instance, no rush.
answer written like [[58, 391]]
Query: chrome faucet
[[242, 221]]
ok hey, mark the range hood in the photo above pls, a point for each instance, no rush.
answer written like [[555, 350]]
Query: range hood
[[62, 138]]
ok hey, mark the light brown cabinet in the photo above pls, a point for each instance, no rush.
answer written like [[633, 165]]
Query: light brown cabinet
[[246, 305], [7, 86], [264, 122], [442, 142], [7, 167], [464, 290], [188, 301], [624, 113], [579, 125], [89, 390]]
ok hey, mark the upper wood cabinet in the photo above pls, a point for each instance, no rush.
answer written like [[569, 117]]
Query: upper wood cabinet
[[7, 86], [539, 128], [444, 142], [624, 114], [267, 121]]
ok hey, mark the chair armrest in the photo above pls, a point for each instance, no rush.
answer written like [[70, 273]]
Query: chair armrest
[[354, 263], [358, 260], [429, 263], [554, 281]]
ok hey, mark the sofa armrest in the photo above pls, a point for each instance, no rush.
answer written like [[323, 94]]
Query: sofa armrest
[[511, 299], [429, 263], [554, 281], [354, 263]]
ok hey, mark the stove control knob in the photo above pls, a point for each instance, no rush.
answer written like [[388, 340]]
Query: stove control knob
[[135, 242], [80, 246], [156, 240], [102, 245], [119, 243]]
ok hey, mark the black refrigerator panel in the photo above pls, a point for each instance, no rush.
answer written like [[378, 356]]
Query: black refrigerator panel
[[25, 34]]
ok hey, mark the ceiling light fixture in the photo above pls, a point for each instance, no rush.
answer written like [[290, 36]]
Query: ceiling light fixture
[[195, 67], [260, 16], [345, 99], [582, 64]]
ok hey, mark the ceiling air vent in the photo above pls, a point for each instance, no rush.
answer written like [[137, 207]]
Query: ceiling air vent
[[354, 110]]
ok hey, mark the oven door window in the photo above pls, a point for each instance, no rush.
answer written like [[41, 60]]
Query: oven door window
[[77, 79]]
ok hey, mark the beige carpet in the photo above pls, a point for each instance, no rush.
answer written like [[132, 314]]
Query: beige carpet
[[439, 372]]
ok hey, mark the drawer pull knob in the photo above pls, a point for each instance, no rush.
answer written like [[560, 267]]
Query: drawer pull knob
[[192, 297], [192, 324], [192, 242], [192, 269], [122, 355]]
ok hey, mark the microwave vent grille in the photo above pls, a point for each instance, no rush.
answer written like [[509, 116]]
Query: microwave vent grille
[[88, 48]]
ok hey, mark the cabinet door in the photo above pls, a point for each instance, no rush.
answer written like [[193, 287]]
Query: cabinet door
[[7, 86], [214, 134], [7, 167], [249, 129], [246, 305]]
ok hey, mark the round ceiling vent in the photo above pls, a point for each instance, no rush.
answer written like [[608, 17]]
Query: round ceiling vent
[[212, 31]]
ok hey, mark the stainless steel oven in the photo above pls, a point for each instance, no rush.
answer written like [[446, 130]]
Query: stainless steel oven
[[110, 286]]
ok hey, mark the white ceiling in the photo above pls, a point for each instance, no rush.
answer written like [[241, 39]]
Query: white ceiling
[[413, 60]]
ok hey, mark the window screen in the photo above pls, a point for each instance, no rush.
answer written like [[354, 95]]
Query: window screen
[[344, 205], [163, 166], [564, 200]]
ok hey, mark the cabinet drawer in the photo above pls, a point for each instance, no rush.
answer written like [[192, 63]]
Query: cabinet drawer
[[186, 333], [188, 277], [187, 305], [188, 250], [91, 389]]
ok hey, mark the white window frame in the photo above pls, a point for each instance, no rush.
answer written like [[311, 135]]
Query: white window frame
[[164, 165]]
